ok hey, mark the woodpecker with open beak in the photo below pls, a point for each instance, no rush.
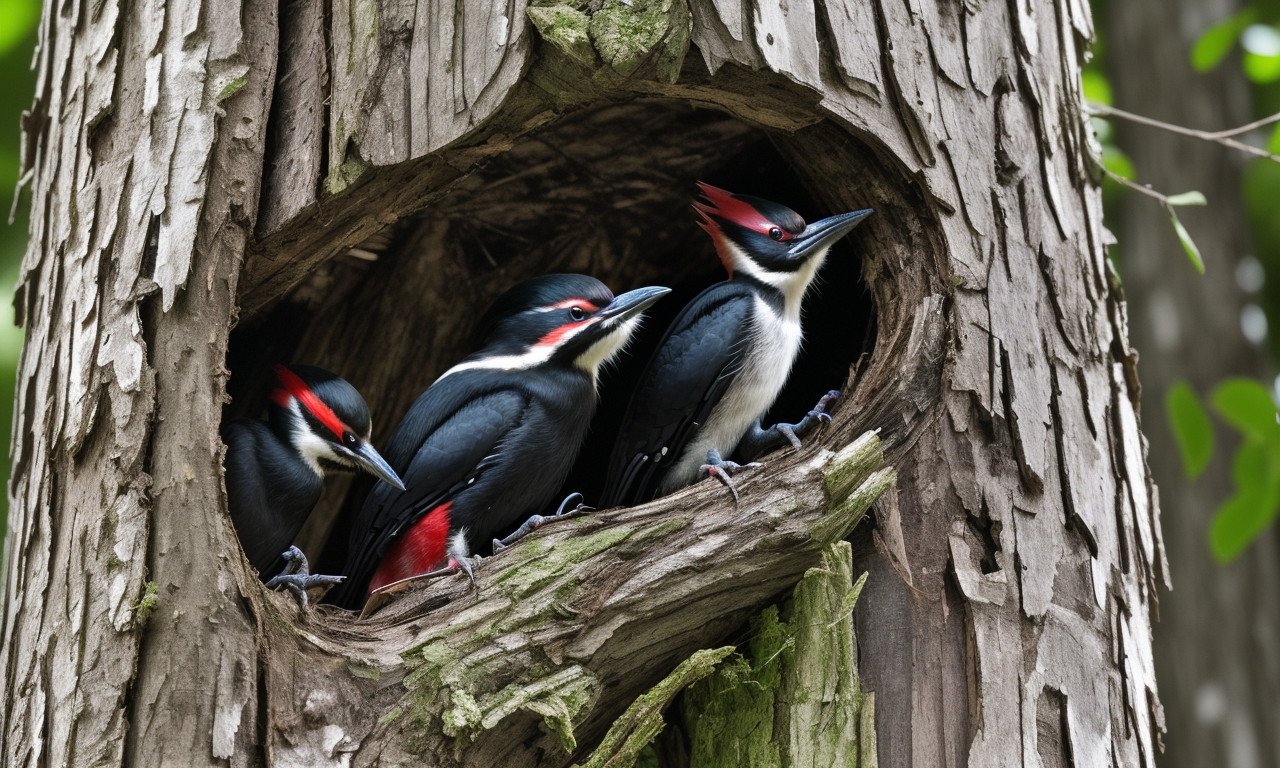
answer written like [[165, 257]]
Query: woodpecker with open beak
[[727, 355], [492, 440], [274, 469]]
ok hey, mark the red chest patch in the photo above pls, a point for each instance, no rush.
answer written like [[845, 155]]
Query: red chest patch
[[418, 551]]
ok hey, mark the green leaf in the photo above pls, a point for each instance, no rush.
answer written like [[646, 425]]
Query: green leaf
[[1096, 86], [1193, 197], [1191, 428], [1261, 68], [1247, 514], [17, 19], [1261, 60], [1247, 405], [1217, 41], [1188, 244], [1273, 143], [1117, 161]]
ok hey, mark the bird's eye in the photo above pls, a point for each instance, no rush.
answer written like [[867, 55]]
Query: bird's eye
[[775, 233], [350, 439], [577, 313]]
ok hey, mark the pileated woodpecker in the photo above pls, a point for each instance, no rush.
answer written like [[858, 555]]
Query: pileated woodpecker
[[726, 355], [274, 469], [492, 440]]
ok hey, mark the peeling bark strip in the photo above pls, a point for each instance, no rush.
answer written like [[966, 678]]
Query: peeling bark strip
[[1013, 570], [143, 147]]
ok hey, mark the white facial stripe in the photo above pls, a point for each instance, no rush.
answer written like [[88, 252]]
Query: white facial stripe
[[792, 284], [746, 265], [535, 355], [605, 349], [308, 443], [530, 358]]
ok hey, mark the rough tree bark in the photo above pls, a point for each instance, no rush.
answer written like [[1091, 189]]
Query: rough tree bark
[[201, 161], [1218, 642]]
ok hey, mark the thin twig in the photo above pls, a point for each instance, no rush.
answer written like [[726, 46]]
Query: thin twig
[[1131, 184], [1217, 137]]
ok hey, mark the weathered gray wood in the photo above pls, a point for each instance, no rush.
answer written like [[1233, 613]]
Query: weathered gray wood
[[144, 144], [1012, 574], [296, 145], [410, 78]]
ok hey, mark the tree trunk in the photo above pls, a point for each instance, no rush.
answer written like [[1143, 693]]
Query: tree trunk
[[1217, 650], [195, 164]]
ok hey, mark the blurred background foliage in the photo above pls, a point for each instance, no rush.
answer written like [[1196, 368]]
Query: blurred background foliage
[[18, 19], [1248, 42]]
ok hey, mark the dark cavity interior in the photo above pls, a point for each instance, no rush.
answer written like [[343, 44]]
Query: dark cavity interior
[[605, 192]]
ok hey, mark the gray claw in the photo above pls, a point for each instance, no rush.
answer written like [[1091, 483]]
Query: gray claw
[[537, 521], [790, 434], [297, 577], [723, 470]]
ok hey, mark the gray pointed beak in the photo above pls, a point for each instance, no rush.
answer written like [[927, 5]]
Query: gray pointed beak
[[821, 234], [372, 462], [633, 303]]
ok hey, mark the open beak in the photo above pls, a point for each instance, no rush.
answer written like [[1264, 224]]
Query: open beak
[[632, 303], [372, 462], [821, 234]]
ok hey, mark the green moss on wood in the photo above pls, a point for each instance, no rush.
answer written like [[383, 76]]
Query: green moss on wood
[[390, 717], [345, 174], [565, 27], [629, 33], [146, 604], [867, 731], [851, 466], [636, 729], [230, 88], [365, 672], [794, 697], [841, 520], [618, 40], [442, 685], [540, 562], [559, 700]]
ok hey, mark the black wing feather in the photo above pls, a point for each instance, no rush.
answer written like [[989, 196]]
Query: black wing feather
[[694, 365], [442, 444]]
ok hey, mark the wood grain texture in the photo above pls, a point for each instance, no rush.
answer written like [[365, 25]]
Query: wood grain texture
[[143, 143]]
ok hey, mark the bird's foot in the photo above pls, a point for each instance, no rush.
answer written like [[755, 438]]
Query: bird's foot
[[758, 441], [819, 411], [811, 421], [297, 577], [537, 521], [722, 470]]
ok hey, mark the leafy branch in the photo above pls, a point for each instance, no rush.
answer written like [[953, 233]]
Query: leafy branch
[[1224, 138], [1247, 407]]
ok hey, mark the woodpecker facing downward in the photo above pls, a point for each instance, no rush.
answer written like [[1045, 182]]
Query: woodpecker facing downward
[[274, 468], [727, 355], [492, 440]]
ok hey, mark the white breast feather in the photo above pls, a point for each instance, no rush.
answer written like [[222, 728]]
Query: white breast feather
[[765, 368]]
